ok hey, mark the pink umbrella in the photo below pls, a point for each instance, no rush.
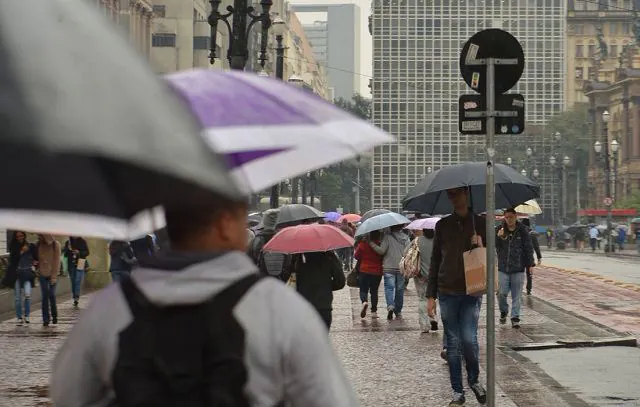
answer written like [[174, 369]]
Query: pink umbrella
[[308, 238], [425, 223], [350, 217]]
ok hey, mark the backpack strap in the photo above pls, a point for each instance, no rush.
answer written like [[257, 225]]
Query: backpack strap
[[230, 296]]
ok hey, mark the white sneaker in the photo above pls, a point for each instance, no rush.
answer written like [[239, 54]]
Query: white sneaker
[[26, 320], [19, 321], [374, 315], [363, 311]]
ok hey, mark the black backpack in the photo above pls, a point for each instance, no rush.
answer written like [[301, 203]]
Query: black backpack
[[182, 356]]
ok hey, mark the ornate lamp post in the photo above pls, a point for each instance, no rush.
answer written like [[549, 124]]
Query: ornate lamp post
[[566, 161], [552, 162], [243, 18], [610, 153]]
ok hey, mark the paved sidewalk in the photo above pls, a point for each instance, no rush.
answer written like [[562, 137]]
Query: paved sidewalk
[[392, 363]]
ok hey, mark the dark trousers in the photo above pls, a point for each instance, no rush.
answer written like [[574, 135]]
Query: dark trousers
[[325, 314], [594, 243], [48, 297], [369, 283], [529, 281]]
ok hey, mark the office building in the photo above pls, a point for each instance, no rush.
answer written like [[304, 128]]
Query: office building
[[416, 83], [336, 44]]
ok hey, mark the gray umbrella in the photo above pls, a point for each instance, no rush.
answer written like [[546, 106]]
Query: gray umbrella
[[430, 195], [297, 213], [382, 221], [373, 212], [87, 127]]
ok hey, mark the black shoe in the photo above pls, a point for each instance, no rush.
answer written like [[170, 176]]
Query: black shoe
[[480, 392], [434, 325], [75, 303], [55, 321], [443, 355], [458, 400], [503, 317], [45, 324], [515, 323], [363, 312], [528, 292], [390, 315]]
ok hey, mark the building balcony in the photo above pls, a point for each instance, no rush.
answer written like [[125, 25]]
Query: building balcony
[[600, 15]]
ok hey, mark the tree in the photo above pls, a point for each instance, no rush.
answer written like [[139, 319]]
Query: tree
[[335, 183], [631, 202]]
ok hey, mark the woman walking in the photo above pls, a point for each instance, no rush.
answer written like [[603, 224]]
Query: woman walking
[[48, 266], [26, 258], [76, 250], [122, 260], [370, 274], [425, 247]]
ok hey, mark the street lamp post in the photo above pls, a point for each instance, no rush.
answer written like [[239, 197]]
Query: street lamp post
[[552, 162], [243, 18], [565, 163], [278, 28], [610, 153]]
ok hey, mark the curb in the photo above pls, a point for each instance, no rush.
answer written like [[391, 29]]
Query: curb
[[594, 276], [628, 341]]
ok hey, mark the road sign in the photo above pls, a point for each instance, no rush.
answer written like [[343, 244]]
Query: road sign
[[608, 201], [509, 119], [491, 43]]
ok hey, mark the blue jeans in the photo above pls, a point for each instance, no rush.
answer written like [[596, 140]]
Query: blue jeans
[[75, 277], [20, 290], [513, 283], [394, 290], [460, 315], [48, 294], [119, 275], [369, 283]]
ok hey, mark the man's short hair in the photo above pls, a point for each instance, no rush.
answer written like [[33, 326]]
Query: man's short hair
[[510, 210]]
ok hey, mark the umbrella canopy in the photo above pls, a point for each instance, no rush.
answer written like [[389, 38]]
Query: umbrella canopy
[[90, 142], [332, 216], [270, 130], [350, 217], [530, 207], [373, 212], [308, 238], [425, 223], [297, 213], [430, 194], [379, 222]]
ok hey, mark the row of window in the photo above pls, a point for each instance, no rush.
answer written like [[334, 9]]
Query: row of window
[[612, 5], [447, 4], [169, 40]]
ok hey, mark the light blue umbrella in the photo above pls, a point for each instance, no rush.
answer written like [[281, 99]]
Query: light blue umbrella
[[379, 222]]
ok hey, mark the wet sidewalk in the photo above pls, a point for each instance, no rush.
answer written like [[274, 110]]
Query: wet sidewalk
[[28, 352], [393, 363]]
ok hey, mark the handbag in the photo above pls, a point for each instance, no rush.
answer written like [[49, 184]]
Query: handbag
[[352, 278]]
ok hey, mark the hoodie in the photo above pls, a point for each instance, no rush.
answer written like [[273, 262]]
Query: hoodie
[[392, 249], [288, 353]]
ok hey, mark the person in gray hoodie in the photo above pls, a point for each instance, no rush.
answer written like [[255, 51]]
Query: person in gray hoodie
[[392, 248], [288, 355]]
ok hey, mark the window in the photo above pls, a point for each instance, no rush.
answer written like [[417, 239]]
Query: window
[[579, 51], [592, 50], [163, 40], [160, 11], [579, 73], [626, 28], [202, 42], [613, 51]]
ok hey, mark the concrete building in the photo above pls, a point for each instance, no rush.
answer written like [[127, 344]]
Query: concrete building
[[621, 98], [597, 33], [336, 44], [416, 83], [181, 36], [134, 16]]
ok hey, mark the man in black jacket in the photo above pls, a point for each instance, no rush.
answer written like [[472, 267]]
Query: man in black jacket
[[460, 312], [536, 248], [515, 256]]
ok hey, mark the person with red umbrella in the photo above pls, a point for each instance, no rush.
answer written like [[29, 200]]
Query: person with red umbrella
[[370, 273]]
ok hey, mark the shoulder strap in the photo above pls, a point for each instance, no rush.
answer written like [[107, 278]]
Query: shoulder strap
[[230, 296]]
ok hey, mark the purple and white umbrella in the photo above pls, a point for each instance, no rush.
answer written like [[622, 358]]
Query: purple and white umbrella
[[424, 223], [270, 130]]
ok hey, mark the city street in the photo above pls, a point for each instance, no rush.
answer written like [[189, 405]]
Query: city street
[[392, 363], [621, 268]]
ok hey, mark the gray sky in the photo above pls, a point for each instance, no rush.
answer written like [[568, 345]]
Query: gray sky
[[365, 38]]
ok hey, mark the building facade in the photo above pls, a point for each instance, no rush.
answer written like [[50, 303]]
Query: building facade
[[621, 98], [416, 82], [336, 44], [134, 16], [597, 34]]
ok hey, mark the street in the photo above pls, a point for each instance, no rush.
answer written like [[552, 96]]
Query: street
[[621, 268], [392, 363]]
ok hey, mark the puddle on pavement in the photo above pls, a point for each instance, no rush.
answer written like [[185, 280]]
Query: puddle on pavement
[[603, 376], [37, 391]]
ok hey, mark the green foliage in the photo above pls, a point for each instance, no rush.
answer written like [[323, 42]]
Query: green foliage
[[335, 184], [632, 202]]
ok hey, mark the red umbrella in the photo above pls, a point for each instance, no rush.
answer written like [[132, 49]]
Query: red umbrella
[[350, 217], [308, 238]]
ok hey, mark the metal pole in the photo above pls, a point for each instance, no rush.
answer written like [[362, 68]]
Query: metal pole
[[275, 190], [564, 193], [239, 39], [607, 170], [357, 190], [491, 235], [578, 195], [553, 197]]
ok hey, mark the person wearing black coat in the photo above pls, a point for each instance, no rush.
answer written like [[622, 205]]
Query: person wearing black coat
[[20, 275], [536, 248], [76, 250]]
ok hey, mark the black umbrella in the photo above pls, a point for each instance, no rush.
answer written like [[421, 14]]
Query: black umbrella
[[88, 128], [430, 194], [292, 214], [373, 212]]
